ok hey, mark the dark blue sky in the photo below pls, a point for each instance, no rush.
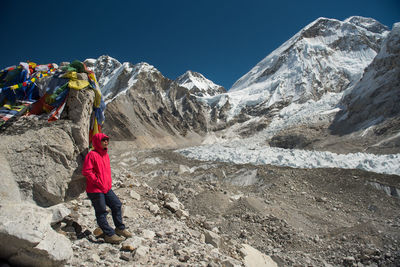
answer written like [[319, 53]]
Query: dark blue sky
[[221, 39]]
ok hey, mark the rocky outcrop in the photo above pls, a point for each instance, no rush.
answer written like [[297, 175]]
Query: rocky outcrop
[[27, 238], [41, 166], [44, 158]]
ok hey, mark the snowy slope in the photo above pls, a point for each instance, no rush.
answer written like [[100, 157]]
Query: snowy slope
[[199, 85], [377, 95], [115, 78], [328, 55], [339, 51]]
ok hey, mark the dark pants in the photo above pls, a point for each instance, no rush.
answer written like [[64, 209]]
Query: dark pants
[[99, 202]]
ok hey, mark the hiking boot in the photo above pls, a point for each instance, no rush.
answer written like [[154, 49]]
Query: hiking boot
[[124, 233], [114, 239]]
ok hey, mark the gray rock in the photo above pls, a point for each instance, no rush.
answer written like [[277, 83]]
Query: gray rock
[[126, 256], [148, 234], [172, 206], [212, 238], [254, 258], [134, 195], [182, 214], [230, 262], [141, 252], [59, 211], [45, 158], [129, 212], [95, 258], [9, 190], [153, 208], [28, 239]]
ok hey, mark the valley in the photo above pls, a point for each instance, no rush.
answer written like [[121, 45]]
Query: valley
[[299, 217]]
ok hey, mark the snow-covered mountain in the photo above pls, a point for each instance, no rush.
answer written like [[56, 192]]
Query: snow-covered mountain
[[373, 104], [199, 85], [295, 92], [327, 55], [115, 78], [144, 105], [352, 115]]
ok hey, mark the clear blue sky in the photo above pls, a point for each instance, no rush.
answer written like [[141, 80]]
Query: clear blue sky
[[221, 39]]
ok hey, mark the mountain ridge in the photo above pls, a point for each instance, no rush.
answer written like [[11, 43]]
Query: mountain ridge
[[309, 73]]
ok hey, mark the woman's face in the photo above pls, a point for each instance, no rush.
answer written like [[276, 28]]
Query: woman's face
[[104, 143]]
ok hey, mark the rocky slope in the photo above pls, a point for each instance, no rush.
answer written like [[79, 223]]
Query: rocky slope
[[145, 106], [372, 105], [319, 217]]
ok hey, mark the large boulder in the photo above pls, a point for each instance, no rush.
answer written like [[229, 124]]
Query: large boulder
[[254, 258], [27, 238], [9, 191], [44, 158]]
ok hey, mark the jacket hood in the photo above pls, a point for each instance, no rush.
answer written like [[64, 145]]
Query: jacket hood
[[96, 141]]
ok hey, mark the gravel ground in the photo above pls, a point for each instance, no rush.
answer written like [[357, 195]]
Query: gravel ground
[[299, 217]]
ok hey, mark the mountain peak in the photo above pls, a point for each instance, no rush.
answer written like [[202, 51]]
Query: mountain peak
[[369, 24], [198, 84], [328, 55]]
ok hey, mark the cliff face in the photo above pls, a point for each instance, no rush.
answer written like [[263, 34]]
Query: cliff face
[[371, 110], [375, 98]]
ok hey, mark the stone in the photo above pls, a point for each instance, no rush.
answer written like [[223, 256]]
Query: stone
[[129, 211], [28, 239], [127, 246], [87, 203], [45, 159], [59, 211], [9, 190], [349, 260], [321, 199], [79, 109], [254, 258], [208, 225], [95, 258], [170, 197], [236, 197], [212, 238], [153, 208], [202, 238], [148, 234], [125, 256], [134, 195], [184, 258], [135, 241], [172, 206], [230, 262], [182, 213], [141, 252]]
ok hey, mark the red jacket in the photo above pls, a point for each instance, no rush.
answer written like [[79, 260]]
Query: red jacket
[[96, 167]]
